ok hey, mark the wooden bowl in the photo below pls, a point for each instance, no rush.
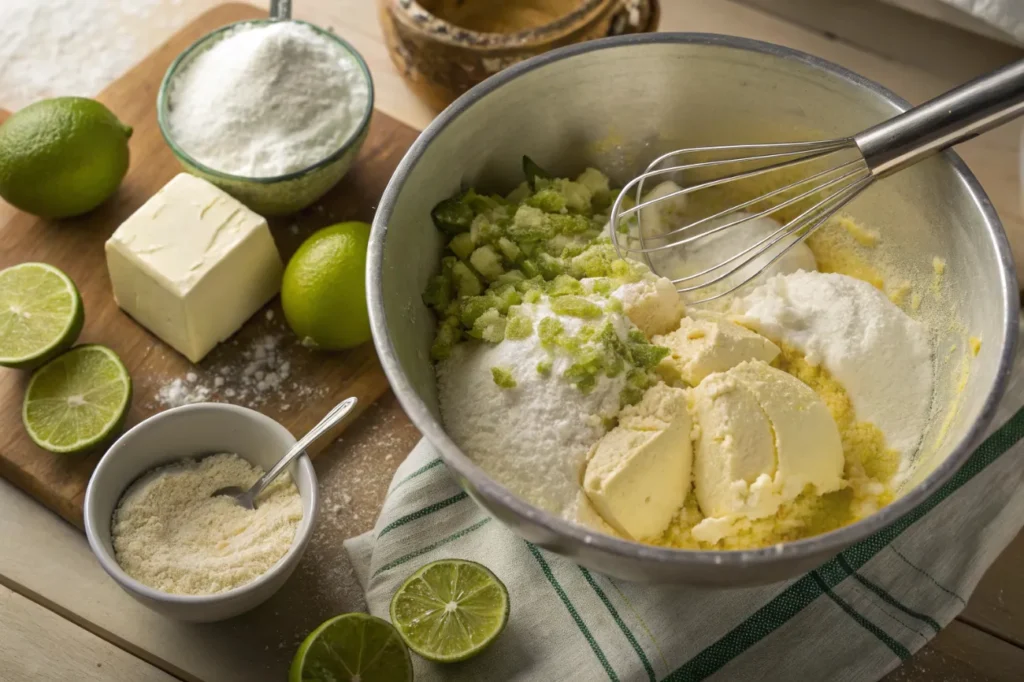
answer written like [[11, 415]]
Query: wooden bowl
[[445, 47]]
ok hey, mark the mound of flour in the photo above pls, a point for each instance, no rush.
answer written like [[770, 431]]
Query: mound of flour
[[880, 355], [533, 438]]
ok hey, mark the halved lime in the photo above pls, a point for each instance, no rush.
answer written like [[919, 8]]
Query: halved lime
[[41, 314], [77, 400], [352, 647], [450, 610]]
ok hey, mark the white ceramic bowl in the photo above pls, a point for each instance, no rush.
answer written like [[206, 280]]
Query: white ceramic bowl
[[188, 431]]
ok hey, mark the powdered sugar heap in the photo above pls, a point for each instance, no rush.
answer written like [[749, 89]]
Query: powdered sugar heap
[[532, 438], [880, 355], [268, 99]]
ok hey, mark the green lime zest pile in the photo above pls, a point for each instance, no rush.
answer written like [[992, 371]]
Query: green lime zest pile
[[538, 241]]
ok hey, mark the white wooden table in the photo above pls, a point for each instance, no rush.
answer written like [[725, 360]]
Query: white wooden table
[[62, 619]]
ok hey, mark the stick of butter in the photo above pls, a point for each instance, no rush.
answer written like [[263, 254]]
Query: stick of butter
[[638, 474], [192, 265]]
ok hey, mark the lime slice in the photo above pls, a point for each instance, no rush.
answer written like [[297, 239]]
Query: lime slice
[[353, 646], [41, 314], [77, 400], [450, 610]]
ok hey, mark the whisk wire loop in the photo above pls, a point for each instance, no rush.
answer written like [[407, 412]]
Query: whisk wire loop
[[836, 185], [879, 151], [798, 228]]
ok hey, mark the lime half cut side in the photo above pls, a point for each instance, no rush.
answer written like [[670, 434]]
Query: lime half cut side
[[450, 610], [41, 314], [354, 647], [77, 400]]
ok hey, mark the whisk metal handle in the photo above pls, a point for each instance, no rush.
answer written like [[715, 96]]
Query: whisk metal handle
[[958, 115]]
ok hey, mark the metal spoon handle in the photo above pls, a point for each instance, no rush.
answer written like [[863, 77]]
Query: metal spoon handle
[[280, 9], [332, 419]]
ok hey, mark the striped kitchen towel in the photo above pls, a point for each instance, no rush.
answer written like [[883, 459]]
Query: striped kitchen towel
[[855, 618]]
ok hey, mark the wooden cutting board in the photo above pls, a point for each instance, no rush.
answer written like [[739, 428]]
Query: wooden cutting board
[[315, 381]]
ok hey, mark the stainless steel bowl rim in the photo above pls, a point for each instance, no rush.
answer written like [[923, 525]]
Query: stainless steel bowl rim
[[832, 542]]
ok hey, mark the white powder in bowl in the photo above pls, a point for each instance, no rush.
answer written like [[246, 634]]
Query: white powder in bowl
[[880, 355], [267, 100], [170, 534], [533, 438]]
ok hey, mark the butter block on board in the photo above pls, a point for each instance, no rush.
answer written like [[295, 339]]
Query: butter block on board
[[192, 265]]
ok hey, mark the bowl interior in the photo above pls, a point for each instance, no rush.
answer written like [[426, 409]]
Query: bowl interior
[[191, 431], [166, 95], [618, 104]]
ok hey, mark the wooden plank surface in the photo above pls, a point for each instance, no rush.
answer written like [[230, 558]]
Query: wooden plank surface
[[37, 645], [317, 380], [961, 653], [997, 605]]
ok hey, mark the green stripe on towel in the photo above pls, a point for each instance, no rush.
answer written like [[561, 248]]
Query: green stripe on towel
[[787, 604], [878, 632], [621, 623], [888, 598], [432, 546], [933, 581], [422, 470], [426, 511], [572, 612]]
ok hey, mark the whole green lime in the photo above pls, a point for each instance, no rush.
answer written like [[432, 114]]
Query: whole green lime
[[324, 288], [62, 157]]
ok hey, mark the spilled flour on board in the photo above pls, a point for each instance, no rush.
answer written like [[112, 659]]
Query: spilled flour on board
[[51, 48], [260, 372]]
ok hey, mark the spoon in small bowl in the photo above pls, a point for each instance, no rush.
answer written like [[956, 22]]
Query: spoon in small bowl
[[247, 498], [281, 9]]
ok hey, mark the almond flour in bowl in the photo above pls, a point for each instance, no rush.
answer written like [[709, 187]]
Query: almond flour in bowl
[[170, 534]]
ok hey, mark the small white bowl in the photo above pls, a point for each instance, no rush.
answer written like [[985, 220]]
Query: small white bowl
[[189, 431]]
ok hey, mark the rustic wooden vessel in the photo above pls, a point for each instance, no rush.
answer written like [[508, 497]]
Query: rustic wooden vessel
[[445, 47]]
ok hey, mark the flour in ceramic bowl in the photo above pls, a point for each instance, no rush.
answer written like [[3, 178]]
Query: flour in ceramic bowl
[[877, 352], [169, 531], [533, 438], [267, 100]]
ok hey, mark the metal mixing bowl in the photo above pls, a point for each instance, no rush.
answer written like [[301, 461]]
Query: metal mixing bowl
[[616, 104]]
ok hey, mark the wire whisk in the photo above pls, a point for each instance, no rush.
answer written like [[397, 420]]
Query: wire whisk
[[807, 182]]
